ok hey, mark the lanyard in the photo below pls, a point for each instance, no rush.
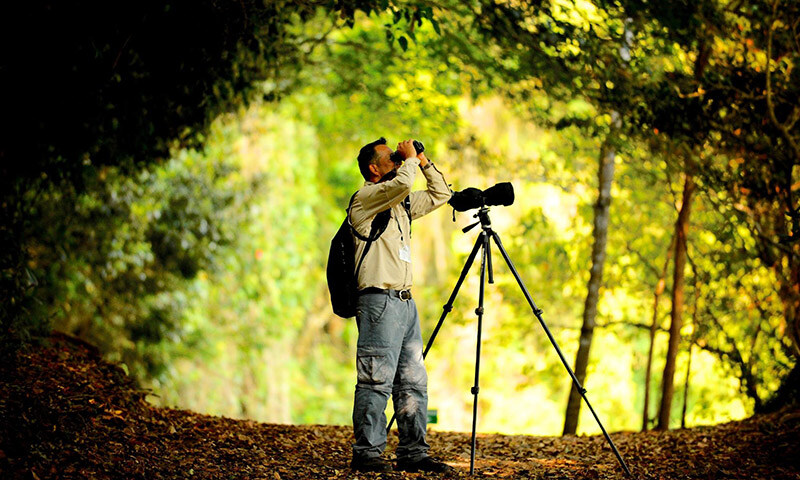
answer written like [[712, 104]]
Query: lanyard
[[399, 228]]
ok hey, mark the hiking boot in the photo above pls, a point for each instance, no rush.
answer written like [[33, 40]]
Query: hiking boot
[[427, 464], [374, 464]]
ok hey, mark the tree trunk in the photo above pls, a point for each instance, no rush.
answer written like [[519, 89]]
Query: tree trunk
[[601, 217], [790, 298], [686, 387], [681, 229], [787, 394], [692, 342], [660, 286]]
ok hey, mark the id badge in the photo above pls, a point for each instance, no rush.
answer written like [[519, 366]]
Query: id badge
[[405, 253]]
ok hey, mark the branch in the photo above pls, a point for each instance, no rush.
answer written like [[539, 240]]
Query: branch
[[315, 42], [646, 263], [626, 323], [715, 350], [796, 38], [747, 380], [770, 104], [794, 118], [351, 44], [734, 354], [752, 221], [672, 191], [743, 94], [766, 327]]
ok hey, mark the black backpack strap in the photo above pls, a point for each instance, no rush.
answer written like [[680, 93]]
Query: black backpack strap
[[379, 224], [407, 206], [372, 237], [376, 230]]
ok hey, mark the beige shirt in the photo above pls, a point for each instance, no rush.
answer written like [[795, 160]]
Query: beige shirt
[[388, 262]]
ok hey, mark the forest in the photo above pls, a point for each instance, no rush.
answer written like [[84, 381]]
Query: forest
[[173, 172]]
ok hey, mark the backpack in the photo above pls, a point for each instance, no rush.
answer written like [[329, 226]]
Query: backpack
[[342, 271]]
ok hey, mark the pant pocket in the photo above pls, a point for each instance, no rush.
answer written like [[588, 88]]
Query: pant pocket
[[373, 368], [371, 307]]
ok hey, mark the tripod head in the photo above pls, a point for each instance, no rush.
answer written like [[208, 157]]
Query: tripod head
[[483, 220]]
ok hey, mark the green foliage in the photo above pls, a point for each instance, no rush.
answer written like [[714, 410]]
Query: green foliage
[[106, 257], [189, 243], [712, 81], [120, 84]]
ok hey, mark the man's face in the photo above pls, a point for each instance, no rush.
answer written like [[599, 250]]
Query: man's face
[[384, 168]]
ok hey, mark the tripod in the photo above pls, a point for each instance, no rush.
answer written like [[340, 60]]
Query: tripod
[[483, 243]]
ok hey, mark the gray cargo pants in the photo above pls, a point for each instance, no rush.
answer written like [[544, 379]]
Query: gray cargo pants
[[389, 361]]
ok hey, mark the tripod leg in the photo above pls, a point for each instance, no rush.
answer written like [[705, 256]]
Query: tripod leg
[[486, 257], [538, 313], [448, 307]]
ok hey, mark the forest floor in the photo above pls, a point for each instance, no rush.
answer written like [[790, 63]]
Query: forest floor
[[65, 413]]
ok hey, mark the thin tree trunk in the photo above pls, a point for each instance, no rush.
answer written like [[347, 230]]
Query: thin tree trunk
[[686, 387], [601, 218], [691, 343], [790, 298], [681, 252], [660, 286], [681, 230]]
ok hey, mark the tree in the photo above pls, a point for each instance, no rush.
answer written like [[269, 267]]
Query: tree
[[94, 84], [600, 233], [681, 242], [726, 106], [659, 290]]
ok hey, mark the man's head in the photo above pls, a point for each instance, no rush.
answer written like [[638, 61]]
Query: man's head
[[374, 161]]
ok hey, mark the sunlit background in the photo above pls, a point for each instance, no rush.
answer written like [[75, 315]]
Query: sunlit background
[[258, 338], [248, 220]]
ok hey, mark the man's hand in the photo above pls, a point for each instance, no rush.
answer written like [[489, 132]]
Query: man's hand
[[407, 148], [423, 160]]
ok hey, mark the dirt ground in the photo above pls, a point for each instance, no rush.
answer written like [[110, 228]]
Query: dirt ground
[[65, 413]]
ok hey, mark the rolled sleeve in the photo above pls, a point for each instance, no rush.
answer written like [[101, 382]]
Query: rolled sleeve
[[376, 197], [434, 196]]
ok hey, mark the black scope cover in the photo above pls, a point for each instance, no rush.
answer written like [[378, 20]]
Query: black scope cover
[[469, 198]]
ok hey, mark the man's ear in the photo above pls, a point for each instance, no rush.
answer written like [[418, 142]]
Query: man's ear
[[373, 169]]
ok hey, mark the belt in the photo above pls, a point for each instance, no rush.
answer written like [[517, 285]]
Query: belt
[[404, 295]]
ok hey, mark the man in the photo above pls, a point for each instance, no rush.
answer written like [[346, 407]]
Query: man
[[389, 357]]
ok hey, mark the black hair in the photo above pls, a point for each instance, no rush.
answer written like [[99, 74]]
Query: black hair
[[367, 156]]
